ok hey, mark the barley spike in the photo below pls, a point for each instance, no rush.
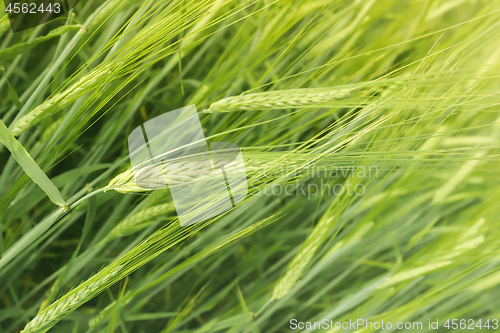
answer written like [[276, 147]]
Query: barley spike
[[284, 99], [59, 309], [60, 100]]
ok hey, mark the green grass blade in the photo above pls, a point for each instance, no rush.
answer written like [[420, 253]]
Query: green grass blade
[[29, 165]]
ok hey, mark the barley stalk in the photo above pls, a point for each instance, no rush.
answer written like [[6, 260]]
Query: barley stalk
[[299, 263], [61, 100], [284, 99], [59, 309], [93, 322]]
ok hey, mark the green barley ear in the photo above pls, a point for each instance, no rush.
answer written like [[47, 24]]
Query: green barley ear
[[284, 99], [138, 221], [62, 99], [413, 273], [299, 263], [54, 313], [124, 183], [153, 175]]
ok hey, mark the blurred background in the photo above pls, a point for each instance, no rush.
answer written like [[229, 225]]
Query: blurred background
[[370, 135]]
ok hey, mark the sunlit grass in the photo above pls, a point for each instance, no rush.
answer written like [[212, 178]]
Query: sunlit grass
[[398, 99]]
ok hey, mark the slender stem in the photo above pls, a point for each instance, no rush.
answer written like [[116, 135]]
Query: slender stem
[[264, 307], [40, 228]]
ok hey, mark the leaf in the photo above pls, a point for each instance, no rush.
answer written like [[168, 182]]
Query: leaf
[[4, 24], [13, 96], [1, 241], [14, 50], [31, 197], [236, 320], [29, 165]]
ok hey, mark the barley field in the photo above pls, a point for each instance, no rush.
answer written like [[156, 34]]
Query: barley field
[[369, 137]]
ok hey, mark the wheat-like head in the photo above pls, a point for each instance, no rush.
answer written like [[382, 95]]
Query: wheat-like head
[[153, 176], [62, 99], [299, 263], [139, 220], [54, 313], [276, 100]]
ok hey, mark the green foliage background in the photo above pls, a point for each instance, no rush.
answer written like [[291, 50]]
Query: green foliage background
[[409, 88]]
